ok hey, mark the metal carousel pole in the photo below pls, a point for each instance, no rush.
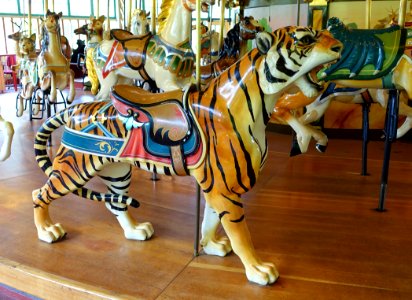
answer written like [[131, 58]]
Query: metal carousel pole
[[222, 23], [198, 86], [153, 17], [29, 18], [391, 125]]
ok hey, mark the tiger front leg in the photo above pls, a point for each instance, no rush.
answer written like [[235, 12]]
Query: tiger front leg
[[132, 229], [212, 244], [47, 231], [231, 213], [117, 178]]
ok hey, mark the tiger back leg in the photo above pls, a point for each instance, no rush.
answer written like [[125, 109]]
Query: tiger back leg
[[71, 170], [231, 213], [211, 243], [117, 177]]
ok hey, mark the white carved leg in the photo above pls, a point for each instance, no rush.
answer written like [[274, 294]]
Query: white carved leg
[[404, 110], [8, 131], [314, 111], [211, 244], [105, 86]]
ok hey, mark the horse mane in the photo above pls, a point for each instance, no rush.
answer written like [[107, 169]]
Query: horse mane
[[165, 9]]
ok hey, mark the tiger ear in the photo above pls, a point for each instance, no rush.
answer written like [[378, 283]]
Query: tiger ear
[[33, 37], [264, 41]]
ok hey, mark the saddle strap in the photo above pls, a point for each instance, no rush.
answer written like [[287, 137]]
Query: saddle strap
[[178, 163]]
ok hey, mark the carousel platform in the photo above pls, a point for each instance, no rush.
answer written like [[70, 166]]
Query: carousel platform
[[313, 215]]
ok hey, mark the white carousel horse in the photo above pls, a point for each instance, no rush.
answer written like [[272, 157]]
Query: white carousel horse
[[8, 131], [140, 23], [165, 59], [53, 66], [216, 136]]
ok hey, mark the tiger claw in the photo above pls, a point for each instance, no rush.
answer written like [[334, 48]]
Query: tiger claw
[[263, 274], [51, 234], [140, 232], [218, 247]]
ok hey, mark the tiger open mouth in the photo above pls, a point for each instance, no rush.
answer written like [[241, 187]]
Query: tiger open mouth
[[313, 78]]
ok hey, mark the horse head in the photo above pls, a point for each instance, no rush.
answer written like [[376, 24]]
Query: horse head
[[140, 23], [82, 30]]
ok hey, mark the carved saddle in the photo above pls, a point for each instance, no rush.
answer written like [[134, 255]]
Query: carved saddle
[[159, 121], [367, 54], [128, 49]]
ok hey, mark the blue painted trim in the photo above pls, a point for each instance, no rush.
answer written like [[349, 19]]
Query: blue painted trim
[[93, 144]]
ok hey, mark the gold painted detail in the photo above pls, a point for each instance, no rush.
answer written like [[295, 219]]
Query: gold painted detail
[[106, 147]]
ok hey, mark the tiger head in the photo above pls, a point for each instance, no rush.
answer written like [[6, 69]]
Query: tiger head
[[292, 55]]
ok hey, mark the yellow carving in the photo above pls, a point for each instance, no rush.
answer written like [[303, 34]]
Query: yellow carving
[[105, 147], [318, 3], [91, 71]]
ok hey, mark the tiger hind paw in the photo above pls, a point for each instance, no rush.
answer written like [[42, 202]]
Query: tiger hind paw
[[52, 233]]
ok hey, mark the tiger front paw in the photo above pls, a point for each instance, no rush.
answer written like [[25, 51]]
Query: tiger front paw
[[220, 246], [52, 233], [140, 232], [263, 273]]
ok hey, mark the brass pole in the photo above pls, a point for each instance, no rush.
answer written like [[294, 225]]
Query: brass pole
[[222, 23], [98, 8], [129, 26], [198, 75], [402, 13], [29, 17], [108, 15], [5, 35], [23, 26], [368, 14], [153, 17]]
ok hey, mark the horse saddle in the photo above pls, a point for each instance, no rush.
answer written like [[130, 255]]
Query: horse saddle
[[167, 127], [367, 54], [134, 47]]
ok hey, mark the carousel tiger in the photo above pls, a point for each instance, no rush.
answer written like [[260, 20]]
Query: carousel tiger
[[216, 136]]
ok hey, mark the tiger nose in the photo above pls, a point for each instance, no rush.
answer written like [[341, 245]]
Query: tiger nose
[[337, 48]]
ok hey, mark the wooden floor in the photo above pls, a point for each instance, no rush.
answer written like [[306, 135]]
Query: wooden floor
[[312, 215]]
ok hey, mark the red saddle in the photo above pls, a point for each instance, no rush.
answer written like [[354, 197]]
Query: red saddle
[[164, 122]]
